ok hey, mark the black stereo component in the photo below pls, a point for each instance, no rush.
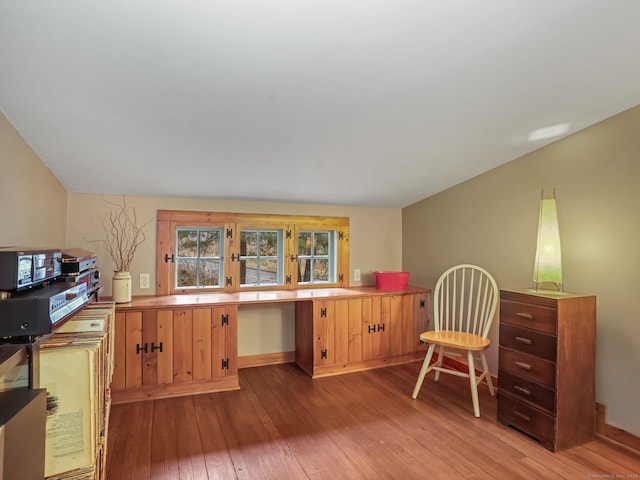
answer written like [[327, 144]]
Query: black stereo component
[[77, 260], [23, 268], [89, 277], [37, 311]]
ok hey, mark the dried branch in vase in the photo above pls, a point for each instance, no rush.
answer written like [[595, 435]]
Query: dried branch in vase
[[123, 234]]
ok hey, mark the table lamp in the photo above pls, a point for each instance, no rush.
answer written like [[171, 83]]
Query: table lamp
[[548, 263]]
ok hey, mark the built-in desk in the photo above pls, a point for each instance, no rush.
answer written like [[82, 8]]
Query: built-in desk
[[185, 344]]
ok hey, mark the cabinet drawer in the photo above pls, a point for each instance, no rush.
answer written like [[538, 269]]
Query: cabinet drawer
[[528, 366], [528, 341], [528, 419], [530, 316], [527, 391]]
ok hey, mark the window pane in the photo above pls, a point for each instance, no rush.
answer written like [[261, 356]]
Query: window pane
[[248, 243], [209, 273], [268, 244], [268, 271], [304, 269], [187, 243], [321, 243], [320, 270], [248, 272], [186, 273], [304, 243], [209, 243]]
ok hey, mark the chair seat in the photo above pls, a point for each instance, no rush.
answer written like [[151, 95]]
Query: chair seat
[[451, 339]]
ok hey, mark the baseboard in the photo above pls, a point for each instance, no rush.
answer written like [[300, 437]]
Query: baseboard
[[262, 360], [614, 434]]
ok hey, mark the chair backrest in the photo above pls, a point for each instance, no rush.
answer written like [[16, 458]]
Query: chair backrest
[[465, 300]]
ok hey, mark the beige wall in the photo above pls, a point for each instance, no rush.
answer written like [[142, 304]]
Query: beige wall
[[374, 238], [33, 202], [491, 220]]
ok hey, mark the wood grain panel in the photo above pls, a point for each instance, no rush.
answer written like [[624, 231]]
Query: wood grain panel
[[201, 343], [182, 345], [150, 353], [396, 332], [341, 331], [165, 338], [354, 334], [119, 340], [133, 342]]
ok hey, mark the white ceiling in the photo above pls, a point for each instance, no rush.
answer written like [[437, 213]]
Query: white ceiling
[[352, 102]]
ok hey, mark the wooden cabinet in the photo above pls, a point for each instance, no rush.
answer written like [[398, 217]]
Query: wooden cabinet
[[546, 377], [350, 334], [174, 351], [176, 345]]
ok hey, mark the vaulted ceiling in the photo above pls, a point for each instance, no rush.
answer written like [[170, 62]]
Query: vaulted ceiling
[[365, 102]]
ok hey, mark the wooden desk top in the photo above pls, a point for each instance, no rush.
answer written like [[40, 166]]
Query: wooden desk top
[[257, 297]]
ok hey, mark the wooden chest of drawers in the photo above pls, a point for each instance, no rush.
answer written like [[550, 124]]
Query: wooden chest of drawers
[[546, 377]]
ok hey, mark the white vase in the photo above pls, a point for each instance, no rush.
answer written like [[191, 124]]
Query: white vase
[[121, 287]]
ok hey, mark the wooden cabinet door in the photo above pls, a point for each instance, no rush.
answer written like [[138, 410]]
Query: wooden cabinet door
[[143, 348]]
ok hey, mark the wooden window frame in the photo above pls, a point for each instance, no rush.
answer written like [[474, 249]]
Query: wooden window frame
[[169, 220]]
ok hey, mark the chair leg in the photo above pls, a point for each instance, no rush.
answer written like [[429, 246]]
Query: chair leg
[[473, 384], [439, 362], [485, 367], [423, 371]]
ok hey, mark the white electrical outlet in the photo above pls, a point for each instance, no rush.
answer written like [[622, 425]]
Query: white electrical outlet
[[356, 275], [144, 280]]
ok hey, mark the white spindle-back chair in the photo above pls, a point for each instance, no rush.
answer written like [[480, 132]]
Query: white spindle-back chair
[[465, 300]]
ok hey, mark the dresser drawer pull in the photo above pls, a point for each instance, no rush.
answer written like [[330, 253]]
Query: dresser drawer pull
[[522, 390], [528, 316], [526, 341], [524, 417], [524, 366]]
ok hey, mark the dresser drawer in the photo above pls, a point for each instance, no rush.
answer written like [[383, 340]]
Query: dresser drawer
[[528, 391], [528, 366], [526, 315], [528, 419], [529, 341]]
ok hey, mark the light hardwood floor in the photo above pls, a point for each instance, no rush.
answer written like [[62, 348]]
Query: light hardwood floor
[[284, 425]]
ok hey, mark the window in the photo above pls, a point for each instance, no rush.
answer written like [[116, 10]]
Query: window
[[230, 252], [261, 260], [316, 257], [199, 257]]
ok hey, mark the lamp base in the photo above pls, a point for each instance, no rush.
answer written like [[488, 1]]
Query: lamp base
[[559, 287]]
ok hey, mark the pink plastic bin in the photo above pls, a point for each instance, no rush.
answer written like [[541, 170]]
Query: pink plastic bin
[[391, 280]]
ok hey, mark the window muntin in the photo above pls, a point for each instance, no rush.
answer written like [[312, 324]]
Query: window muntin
[[199, 258], [316, 257], [261, 257]]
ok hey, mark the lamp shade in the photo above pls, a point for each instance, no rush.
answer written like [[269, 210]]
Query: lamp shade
[[548, 263]]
